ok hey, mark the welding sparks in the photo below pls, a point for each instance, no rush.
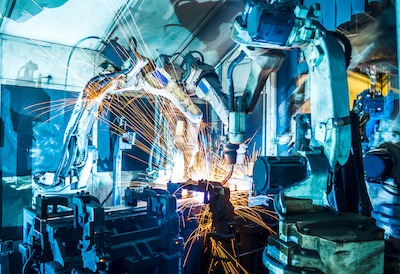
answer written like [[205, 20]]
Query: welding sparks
[[164, 132], [211, 165], [222, 258]]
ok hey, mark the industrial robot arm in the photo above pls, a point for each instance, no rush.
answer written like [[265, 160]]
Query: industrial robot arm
[[77, 155], [282, 26], [201, 79]]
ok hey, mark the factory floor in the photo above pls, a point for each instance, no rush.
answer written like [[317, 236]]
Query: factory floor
[[16, 194]]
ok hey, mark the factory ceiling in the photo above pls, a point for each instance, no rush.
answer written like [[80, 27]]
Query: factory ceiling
[[161, 27], [61, 21]]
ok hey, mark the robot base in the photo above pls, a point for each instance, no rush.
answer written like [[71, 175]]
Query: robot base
[[323, 242]]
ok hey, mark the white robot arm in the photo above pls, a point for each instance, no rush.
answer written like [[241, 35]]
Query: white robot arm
[[280, 26], [77, 155]]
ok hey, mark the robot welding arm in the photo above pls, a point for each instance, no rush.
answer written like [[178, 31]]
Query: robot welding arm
[[77, 155], [264, 62], [201, 79], [330, 118], [158, 82], [283, 26], [76, 160]]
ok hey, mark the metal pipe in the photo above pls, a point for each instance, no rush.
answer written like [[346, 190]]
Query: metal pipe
[[264, 120], [231, 91], [271, 110]]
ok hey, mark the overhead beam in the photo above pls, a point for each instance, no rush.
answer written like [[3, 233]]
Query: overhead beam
[[7, 11], [199, 28]]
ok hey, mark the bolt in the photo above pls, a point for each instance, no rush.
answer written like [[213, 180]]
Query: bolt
[[339, 122]]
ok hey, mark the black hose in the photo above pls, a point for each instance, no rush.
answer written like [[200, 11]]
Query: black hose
[[199, 53], [186, 74], [108, 196], [104, 79], [346, 45], [229, 175], [231, 91], [187, 62], [72, 51], [27, 262]]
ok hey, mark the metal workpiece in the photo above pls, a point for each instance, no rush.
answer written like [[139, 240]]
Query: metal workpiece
[[314, 188], [75, 233], [217, 196], [323, 242]]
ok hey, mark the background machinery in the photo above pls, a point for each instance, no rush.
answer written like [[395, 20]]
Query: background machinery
[[306, 210], [76, 234], [318, 191]]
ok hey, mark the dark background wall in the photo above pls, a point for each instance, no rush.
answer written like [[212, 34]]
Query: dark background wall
[[34, 123]]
